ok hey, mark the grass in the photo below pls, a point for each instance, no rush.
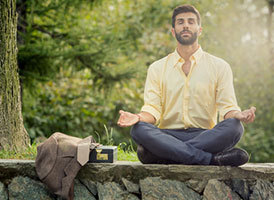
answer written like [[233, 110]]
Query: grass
[[30, 153], [125, 151], [126, 155]]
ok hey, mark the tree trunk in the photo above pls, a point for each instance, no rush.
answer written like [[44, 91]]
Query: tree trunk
[[270, 30], [13, 135]]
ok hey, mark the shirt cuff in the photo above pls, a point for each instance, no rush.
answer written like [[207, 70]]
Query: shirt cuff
[[153, 111]]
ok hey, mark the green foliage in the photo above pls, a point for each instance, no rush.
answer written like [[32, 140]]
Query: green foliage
[[73, 106], [73, 109], [49, 37]]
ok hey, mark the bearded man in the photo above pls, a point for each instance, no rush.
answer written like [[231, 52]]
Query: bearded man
[[184, 94]]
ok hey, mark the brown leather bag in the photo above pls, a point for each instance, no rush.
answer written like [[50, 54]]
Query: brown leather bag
[[56, 162]]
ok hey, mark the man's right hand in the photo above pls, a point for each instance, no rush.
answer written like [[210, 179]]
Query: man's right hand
[[127, 119]]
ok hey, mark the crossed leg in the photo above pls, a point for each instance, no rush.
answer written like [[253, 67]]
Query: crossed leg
[[190, 146]]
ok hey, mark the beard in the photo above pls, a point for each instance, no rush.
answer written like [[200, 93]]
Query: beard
[[187, 41]]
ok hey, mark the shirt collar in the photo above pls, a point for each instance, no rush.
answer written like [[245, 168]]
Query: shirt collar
[[195, 56]]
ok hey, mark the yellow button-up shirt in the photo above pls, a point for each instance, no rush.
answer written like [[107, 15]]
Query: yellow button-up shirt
[[178, 101]]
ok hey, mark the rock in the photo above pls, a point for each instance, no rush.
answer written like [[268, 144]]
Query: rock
[[131, 187], [25, 188], [108, 172], [11, 168], [197, 185], [241, 187], [157, 188], [114, 191], [262, 190], [3, 192], [81, 192], [216, 190], [91, 185], [135, 171], [20, 180]]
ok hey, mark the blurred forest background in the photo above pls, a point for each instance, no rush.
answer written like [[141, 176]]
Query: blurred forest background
[[80, 62]]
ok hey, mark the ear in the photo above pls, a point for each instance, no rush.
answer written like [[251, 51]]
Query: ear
[[173, 32], [200, 31]]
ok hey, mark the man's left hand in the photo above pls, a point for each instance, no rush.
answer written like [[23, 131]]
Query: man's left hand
[[246, 116]]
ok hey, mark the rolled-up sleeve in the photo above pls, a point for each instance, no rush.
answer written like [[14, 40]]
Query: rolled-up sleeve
[[225, 94], [152, 94]]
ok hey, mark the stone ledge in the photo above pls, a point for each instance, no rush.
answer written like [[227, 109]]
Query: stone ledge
[[135, 171], [135, 181]]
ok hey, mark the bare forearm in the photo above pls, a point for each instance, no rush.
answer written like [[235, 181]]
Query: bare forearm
[[146, 117], [231, 114]]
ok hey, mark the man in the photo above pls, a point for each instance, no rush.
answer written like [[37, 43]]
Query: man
[[184, 93]]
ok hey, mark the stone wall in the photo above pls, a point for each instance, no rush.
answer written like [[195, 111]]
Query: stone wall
[[132, 181]]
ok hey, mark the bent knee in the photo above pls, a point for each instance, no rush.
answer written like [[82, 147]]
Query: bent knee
[[235, 127], [139, 130], [135, 129]]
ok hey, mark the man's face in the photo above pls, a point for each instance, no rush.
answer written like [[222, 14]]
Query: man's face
[[186, 29]]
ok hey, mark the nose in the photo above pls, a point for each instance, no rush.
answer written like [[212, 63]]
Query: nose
[[186, 26]]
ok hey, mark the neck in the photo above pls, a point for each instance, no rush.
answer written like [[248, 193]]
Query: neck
[[185, 51]]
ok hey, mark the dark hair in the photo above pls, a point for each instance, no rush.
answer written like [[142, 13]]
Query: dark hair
[[185, 9]]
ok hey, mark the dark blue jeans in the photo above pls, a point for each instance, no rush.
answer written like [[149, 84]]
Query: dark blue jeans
[[188, 146]]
